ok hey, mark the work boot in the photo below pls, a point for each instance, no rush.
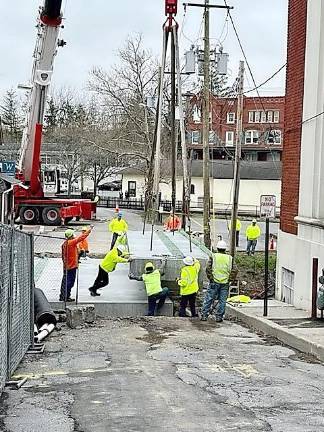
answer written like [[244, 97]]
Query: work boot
[[93, 292], [219, 319], [203, 318], [70, 300]]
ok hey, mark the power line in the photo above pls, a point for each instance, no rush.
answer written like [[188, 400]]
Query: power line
[[313, 117], [267, 80]]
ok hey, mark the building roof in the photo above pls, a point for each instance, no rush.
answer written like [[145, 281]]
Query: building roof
[[224, 169]]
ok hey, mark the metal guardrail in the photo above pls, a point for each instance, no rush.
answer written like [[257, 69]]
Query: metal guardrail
[[195, 206], [16, 299]]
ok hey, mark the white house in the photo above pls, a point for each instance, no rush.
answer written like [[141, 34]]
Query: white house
[[257, 178]]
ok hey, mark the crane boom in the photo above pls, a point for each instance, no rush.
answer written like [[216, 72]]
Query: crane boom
[[48, 27], [30, 204]]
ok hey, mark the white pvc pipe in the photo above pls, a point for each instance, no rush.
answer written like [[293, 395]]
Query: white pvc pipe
[[44, 331]]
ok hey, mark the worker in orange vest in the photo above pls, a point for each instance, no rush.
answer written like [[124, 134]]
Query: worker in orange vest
[[70, 258], [83, 246], [172, 223]]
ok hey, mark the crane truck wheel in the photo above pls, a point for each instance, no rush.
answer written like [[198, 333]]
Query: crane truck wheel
[[29, 215], [51, 216]]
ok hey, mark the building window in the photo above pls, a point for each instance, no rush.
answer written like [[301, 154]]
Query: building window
[[196, 114], [270, 116], [274, 137], [251, 156], [211, 137], [251, 116], [192, 189], [287, 284], [195, 137], [251, 137], [263, 117], [276, 117], [132, 189], [231, 118], [229, 138]]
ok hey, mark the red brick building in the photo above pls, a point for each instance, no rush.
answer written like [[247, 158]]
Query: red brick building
[[263, 126], [301, 234]]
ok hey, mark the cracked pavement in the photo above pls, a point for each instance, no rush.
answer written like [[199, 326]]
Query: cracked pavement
[[164, 374]]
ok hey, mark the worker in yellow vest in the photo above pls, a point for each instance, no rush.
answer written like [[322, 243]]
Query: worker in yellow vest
[[154, 290], [237, 231], [253, 232], [108, 265], [189, 287], [219, 272], [116, 226]]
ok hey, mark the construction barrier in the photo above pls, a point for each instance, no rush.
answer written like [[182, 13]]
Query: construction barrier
[[16, 299]]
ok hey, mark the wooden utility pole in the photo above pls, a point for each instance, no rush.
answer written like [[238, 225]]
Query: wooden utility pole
[[238, 152], [206, 109], [205, 114]]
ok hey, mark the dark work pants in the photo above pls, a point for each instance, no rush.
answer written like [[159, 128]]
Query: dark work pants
[[160, 297], [113, 240], [191, 298], [67, 283], [237, 238], [102, 279]]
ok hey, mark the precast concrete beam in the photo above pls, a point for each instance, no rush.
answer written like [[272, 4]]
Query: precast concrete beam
[[172, 268]]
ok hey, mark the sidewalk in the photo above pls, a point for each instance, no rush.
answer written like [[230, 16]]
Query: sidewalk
[[291, 326]]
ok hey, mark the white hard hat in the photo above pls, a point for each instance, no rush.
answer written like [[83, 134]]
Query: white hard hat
[[121, 248], [189, 260], [221, 245], [254, 221]]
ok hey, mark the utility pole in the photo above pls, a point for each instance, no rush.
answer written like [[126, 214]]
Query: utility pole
[[238, 152], [205, 114]]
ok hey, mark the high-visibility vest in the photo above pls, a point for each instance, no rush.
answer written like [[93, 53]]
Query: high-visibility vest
[[152, 282], [222, 267], [253, 232], [238, 225], [189, 279], [173, 223], [116, 225], [111, 260], [121, 240]]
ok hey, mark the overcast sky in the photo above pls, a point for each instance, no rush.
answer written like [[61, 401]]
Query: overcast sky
[[95, 29]]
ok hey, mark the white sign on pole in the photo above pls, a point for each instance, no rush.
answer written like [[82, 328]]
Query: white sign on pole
[[268, 206]]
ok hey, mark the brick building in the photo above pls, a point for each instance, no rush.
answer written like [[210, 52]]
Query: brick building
[[301, 235], [263, 124]]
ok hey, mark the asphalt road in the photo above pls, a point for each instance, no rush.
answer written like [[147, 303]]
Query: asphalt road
[[165, 374]]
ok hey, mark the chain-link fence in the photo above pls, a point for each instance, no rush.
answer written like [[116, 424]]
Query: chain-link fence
[[16, 298]]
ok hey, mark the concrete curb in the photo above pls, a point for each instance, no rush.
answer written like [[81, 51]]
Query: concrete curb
[[273, 329]]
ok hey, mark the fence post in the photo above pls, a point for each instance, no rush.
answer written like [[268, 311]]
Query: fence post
[[32, 282], [9, 306]]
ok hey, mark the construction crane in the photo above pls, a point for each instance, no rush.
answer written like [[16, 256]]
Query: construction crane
[[30, 203]]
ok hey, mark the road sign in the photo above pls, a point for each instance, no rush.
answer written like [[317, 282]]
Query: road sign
[[8, 167], [268, 206]]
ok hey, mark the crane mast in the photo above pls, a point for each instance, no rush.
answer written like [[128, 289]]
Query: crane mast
[[30, 204], [48, 28]]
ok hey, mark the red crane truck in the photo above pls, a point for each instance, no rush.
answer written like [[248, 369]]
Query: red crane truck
[[31, 205]]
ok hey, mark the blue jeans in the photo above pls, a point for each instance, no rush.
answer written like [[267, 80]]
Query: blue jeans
[[216, 291], [67, 283], [161, 297], [251, 244]]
